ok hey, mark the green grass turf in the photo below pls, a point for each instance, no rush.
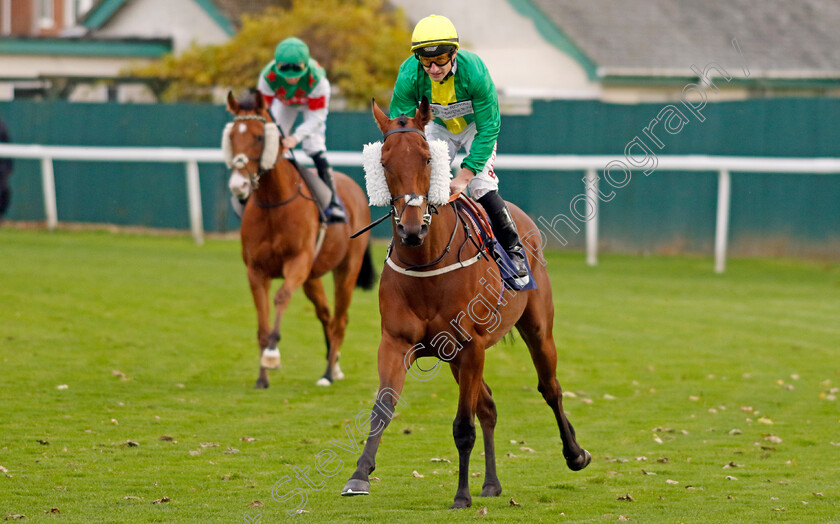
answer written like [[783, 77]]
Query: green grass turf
[[663, 358]]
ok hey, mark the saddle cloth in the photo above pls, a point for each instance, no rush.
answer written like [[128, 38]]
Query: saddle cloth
[[478, 218]]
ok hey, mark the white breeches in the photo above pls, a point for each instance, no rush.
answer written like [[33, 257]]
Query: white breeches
[[483, 182], [285, 117]]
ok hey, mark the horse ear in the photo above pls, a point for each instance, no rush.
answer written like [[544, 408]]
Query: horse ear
[[381, 118], [232, 104], [423, 115], [259, 101]]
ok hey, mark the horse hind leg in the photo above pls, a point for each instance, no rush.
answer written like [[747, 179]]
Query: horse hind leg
[[487, 418], [314, 290], [538, 337], [344, 279]]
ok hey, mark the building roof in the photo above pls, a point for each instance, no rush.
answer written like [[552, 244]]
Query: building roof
[[778, 39], [226, 13], [86, 46]]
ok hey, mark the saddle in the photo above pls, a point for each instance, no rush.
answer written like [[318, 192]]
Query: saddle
[[321, 193], [477, 217]]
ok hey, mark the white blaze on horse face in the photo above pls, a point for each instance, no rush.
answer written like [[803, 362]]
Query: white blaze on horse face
[[239, 185], [415, 200], [242, 128]]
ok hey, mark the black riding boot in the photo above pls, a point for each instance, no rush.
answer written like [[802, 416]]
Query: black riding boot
[[505, 229], [334, 212]]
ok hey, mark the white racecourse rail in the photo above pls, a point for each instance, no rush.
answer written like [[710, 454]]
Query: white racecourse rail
[[590, 164]]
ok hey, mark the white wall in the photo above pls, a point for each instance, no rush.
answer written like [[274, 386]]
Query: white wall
[[182, 20], [33, 66], [520, 61]]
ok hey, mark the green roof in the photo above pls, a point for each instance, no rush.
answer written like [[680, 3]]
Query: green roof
[[105, 9], [152, 48]]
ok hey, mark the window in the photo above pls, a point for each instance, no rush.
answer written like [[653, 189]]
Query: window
[[82, 7], [46, 14]]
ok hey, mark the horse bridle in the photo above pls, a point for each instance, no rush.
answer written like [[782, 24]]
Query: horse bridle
[[411, 199], [241, 160]]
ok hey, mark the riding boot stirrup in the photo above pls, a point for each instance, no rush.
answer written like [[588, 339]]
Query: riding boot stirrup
[[508, 237], [334, 212]]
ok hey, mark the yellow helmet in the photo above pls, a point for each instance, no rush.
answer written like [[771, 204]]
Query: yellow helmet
[[433, 31]]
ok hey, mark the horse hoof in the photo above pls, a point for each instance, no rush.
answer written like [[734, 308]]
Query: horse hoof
[[261, 384], [356, 487], [579, 462], [461, 504], [491, 490], [337, 373], [270, 358], [323, 381]]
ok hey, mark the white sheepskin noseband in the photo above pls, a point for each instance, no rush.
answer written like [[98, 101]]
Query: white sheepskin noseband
[[377, 187]]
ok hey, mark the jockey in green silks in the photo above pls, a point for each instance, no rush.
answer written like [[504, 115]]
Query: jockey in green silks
[[294, 83], [466, 115]]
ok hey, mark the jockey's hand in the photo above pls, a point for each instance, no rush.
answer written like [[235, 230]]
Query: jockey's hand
[[289, 142], [460, 182]]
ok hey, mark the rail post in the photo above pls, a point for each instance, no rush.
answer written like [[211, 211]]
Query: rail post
[[722, 227], [48, 183], [194, 197]]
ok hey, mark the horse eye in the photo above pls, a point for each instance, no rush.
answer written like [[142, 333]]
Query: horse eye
[[428, 161], [259, 138]]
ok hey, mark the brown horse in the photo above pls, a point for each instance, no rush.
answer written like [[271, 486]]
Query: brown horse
[[454, 312], [280, 237]]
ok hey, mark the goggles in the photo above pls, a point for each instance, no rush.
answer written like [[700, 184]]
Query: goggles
[[440, 60], [291, 67]]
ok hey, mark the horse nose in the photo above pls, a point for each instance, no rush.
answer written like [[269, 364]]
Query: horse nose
[[239, 185], [412, 235]]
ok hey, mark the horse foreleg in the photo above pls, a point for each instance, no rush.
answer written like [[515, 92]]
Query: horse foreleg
[[260, 286], [486, 411], [538, 337], [295, 271], [470, 386], [314, 290], [392, 370]]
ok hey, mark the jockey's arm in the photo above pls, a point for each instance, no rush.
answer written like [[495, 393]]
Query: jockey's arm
[[403, 99], [461, 181], [315, 112], [267, 93], [487, 121]]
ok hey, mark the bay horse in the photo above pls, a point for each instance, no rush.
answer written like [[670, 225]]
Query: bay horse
[[433, 301], [280, 236]]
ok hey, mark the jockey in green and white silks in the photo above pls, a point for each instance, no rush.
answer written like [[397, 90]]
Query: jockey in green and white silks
[[466, 110], [292, 84], [306, 93]]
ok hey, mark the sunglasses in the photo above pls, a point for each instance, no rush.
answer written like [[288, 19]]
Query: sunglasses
[[440, 60], [291, 67]]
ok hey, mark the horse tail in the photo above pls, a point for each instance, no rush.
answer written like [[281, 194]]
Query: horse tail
[[367, 275]]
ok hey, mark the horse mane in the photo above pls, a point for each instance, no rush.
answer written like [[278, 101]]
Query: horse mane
[[402, 120]]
